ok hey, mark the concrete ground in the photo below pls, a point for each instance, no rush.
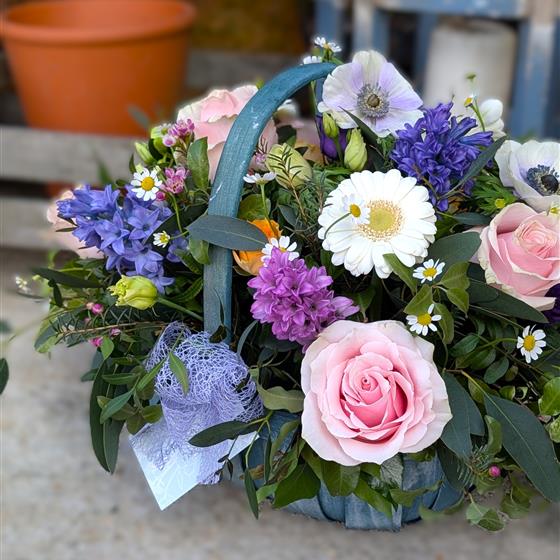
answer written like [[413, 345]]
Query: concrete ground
[[57, 503]]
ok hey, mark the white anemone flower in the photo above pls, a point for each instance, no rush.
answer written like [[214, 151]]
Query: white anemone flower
[[258, 179], [372, 89], [533, 170], [428, 270], [401, 221], [322, 43], [423, 323], [284, 244], [146, 183], [531, 342]]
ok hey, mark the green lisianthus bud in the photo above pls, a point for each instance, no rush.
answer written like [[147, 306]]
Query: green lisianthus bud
[[329, 126], [144, 153], [135, 291], [355, 155], [291, 168]]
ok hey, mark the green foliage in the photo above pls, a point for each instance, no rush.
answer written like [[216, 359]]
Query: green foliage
[[230, 233], [549, 403], [179, 371], [301, 484], [339, 480], [484, 517], [278, 398], [220, 432], [456, 248], [197, 162]]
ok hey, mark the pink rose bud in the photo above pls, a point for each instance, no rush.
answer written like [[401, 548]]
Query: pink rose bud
[[494, 471], [96, 341]]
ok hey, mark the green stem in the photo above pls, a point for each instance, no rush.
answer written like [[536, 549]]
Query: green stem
[[178, 307]]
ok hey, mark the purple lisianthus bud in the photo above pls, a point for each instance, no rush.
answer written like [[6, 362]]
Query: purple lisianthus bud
[[328, 145], [553, 315]]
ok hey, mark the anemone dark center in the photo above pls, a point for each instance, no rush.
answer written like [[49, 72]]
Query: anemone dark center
[[372, 102], [543, 179]]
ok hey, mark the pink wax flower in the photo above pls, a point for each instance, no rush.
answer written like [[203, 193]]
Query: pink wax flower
[[96, 341], [114, 332], [160, 195], [175, 180], [520, 254], [494, 471], [95, 308], [372, 390], [214, 115]]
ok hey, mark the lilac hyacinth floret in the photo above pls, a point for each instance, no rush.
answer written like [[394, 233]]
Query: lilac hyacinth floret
[[296, 300], [438, 150], [122, 232]]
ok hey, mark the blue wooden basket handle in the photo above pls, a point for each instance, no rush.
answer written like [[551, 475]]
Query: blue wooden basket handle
[[228, 184]]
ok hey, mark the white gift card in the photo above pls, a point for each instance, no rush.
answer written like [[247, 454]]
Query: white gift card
[[170, 471]]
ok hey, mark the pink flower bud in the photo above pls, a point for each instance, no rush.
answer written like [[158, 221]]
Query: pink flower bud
[[97, 308], [160, 195], [96, 341], [114, 332], [494, 471]]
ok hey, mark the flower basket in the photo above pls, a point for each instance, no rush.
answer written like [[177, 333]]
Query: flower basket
[[395, 357]]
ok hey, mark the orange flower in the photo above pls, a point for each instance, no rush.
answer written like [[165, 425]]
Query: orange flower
[[250, 261]]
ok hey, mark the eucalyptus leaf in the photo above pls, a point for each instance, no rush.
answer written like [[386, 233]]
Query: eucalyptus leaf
[[496, 370], [421, 301], [526, 440], [466, 418], [114, 405], [220, 432], [278, 398], [456, 248], [301, 484], [230, 233]]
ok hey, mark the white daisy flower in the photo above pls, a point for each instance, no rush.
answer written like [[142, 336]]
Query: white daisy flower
[[428, 270], [357, 208], [284, 244], [311, 59], [161, 239], [531, 342], [423, 323], [400, 221], [258, 179], [147, 184], [327, 45]]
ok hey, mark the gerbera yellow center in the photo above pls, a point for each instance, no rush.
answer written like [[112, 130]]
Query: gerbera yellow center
[[385, 220], [429, 272], [147, 183], [425, 319], [500, 203], [529, 342], [355, 210]]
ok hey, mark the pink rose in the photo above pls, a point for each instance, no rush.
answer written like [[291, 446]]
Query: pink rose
[[520, 254], [65, 239], [213, 118], [371, 390]]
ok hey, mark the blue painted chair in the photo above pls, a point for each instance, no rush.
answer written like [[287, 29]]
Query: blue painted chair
[[534, 69]]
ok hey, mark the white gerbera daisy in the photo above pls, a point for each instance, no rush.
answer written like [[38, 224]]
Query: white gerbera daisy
[[400, 221], [423, 323], [311, 59], [258, 179], [161, 239], [531, 342], [428, 270], [146, 183], [284, 244], [322, 43], [372, 89]]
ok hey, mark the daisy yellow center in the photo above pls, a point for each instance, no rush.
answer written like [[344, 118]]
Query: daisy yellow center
[[529, 342], [500, 203], [147, 183], [385, 220], [425, 319], [355, 210], [429, 272]]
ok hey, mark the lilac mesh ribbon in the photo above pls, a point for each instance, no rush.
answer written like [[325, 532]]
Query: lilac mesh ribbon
[[220, 391]]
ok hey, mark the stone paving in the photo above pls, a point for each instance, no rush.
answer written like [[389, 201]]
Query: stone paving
[[58, 504]]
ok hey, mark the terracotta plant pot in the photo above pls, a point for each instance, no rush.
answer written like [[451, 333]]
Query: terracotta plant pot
[[81, 65]]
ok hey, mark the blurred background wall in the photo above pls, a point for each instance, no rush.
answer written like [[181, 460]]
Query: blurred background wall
[[512, 45]]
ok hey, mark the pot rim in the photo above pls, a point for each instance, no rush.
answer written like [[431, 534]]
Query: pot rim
[[53, 35]]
